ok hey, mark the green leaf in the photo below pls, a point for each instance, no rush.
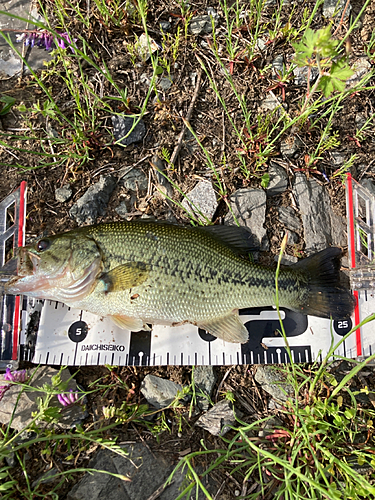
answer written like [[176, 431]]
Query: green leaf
[[350, 413], [315, 44], [8, 103], [336, 80], [265, 181], [7, 485]]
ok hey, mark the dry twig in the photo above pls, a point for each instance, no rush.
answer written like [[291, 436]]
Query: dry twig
[[187, 119]]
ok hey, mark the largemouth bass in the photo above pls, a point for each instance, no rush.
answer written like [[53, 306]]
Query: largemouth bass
[[144, 272]]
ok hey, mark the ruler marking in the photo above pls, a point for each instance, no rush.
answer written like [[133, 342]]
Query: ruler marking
[[75, 354]]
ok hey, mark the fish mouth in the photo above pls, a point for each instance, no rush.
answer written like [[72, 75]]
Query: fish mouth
[[28, 280], [61, 285], [27, 263]]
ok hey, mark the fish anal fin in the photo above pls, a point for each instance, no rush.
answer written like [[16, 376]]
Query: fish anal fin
[[127, 323], [228, 328], [125, 276]]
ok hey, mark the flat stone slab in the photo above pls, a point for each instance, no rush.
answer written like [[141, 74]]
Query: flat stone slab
[[203, 201], [158, 391], [273, 381], [147, 473], [248, 207], [26, 401], [218, 419], [94, 202], [322, 227]]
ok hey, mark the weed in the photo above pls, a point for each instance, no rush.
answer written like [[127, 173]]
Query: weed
[[7, 104], [318, 49]]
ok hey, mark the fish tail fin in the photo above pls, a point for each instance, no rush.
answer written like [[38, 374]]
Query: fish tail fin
[[326, 296]]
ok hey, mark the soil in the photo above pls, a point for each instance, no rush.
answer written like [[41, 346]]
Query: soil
[[163, 119]]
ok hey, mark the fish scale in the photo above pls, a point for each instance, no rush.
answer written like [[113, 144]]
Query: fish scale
[[143, 272]]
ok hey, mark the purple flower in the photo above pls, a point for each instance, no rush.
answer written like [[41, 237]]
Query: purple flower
[[16, 376], [68, 399], [44, 38], [3, 390], [61, 42]]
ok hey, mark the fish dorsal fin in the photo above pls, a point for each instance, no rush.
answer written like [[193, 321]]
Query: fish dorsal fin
[[229, 328], [124, 277], [126, 323], [238, 239]]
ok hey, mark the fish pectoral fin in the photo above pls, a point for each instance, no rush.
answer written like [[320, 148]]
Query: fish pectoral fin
[[229, 328], [125, 276], [126, 323]]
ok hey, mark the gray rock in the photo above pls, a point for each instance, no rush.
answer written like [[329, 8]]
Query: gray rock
[[48, 477], [122, 126], [260, 44], [165, 25], [286, 260], [94, 202], [204, 378], [335, 8], [290, 146], [278, 65], [293, 239], [10, 63], [144, 79], [64, 193], [145, 46], [278, 180], [200, 25], [27, 402], [337, 157], [288, 217], [165, 83], [123, 209], [147, 472], [270, 103], [361, 68], [360, 120], [301, 74], [269, 426], [212, 12], [273, 381], [133, 178], [322, 227], [218, 419], [159, 392], [249, 208], [201, 201]]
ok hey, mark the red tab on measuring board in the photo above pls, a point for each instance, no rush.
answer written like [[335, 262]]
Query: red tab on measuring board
[[12, 236], [360, 206]]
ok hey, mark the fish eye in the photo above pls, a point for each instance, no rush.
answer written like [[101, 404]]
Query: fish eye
[[43, 245]]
